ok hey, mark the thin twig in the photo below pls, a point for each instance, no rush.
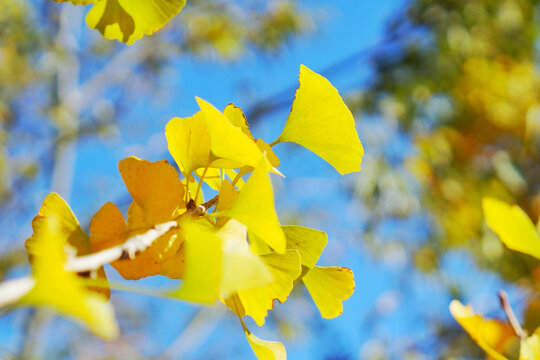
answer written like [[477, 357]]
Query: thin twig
[[12, 290], [127, 250], [505, 303], [199, 210]]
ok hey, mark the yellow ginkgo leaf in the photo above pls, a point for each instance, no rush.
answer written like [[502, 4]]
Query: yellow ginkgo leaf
[[530, 347], [55, 209], [227, 141], [191, 186], [329, 286], [266, 350], [309, 243], [164, 257], [254, 208], [242, 269], [321, 122], [226, 199], [257, 245], [63, 291], [488, 334], [269, 153], [284, 268], [154, 186], [203, 269], [129, 20], [213, 177], [238, 119], [513, 226], [189, 142]]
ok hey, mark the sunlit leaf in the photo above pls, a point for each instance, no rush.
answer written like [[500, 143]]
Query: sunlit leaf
[[204, 261], [213, 177], [164, 257], [226, 199], [191, 185], [154, 186], [238, 119], [242, 269], [55, 209], [227, 141], [269, 153], [513, 226], [63, 291], [257, 245], [329, 287], [488, 334], [254, 208], [129, 20], [284, 268], [530, 347], [309, 242], [266, 350], [189, 142], [321, 122]]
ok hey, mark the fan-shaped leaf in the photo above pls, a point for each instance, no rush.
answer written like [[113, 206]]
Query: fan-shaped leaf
[[513, 226], [329, 286], [321, 122]]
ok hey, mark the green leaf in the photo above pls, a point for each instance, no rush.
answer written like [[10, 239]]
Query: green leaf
[[254, 208], [309, 242], [321, 122], [329, 286], [129, 20], [513, 226]]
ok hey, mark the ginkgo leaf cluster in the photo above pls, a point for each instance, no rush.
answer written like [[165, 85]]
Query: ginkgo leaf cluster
[[231, 248]]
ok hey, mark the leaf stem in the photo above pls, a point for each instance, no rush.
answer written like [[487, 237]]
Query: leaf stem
[[237, 177], [200, 183], [505, 303]]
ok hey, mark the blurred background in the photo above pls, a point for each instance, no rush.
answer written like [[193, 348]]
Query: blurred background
[[446, 94]]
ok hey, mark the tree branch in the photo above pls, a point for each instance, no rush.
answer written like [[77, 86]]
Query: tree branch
[[12, 290], [127, 250]]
